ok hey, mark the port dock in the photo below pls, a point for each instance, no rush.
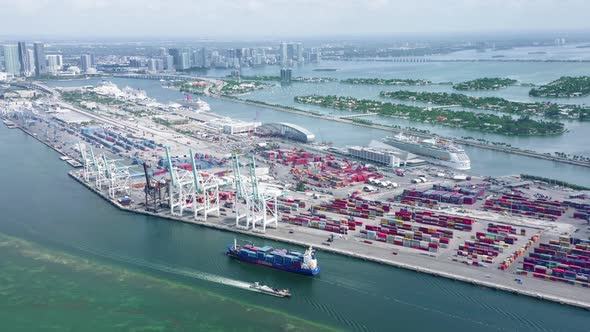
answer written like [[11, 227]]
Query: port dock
[[531, 288]]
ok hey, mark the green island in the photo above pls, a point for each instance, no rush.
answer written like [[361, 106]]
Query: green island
[[196, 87], [232, 87], [294, 79], [491, 123], [566, 86], [495, 104], [486, 83], [385, 81], [553, 182]]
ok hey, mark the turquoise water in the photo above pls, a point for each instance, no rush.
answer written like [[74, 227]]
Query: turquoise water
[[85, 265]]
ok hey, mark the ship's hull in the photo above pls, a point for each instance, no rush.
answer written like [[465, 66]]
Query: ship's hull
[[281, 267], [456, 160]]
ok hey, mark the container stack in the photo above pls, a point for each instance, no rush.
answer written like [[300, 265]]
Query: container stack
[[582, 210], [512, 258], [354, 208], [399, 233], [436, 219], [433, 197], [518, 204], [320, 222], [565, 260]]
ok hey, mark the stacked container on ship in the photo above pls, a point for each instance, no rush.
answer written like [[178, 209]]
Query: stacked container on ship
[[280, 259]]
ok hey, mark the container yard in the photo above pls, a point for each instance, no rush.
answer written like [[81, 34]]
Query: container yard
[[481, 230]]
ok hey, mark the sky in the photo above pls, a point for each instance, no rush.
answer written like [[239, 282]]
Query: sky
[[276, 18]]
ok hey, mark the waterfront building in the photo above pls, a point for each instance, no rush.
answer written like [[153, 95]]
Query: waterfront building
[[54, 63], [40, 65], [23, 59], [286, 75], [85, 62], [11, 64]]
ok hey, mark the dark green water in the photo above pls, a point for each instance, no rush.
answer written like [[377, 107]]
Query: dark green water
[[73, 262]]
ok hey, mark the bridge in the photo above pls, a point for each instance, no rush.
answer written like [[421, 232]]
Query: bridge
[[356, 115], [36, 86], [167, 77]]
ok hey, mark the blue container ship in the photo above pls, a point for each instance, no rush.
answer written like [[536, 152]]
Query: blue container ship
[[280, 259]]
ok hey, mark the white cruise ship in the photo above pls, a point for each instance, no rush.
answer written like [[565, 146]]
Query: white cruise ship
[[434, 150], [200, 105]]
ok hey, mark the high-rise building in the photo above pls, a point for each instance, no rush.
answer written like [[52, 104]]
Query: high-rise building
[[92, 60], [203, 57], [23, 59], [185, 61], [299, 52], [163, 51], [286, 75], [54, 63], [315, 55], [31, 62], [40, 65], [168, 62], [151, 65], [283, 53], [85, 62], [290, 51], [175, 52], [11, 63]]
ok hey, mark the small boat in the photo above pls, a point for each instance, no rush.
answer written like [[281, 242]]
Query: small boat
[[270, 291]]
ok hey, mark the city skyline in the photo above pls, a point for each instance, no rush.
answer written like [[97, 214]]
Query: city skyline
[[285, 18]]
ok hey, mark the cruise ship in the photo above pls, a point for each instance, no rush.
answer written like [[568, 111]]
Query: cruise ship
[[433, 150], [200, 105]]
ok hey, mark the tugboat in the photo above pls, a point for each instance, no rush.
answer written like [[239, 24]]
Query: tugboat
[[270, 291]]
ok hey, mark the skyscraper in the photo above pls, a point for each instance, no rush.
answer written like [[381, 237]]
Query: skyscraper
[[31, 61], [152, 66], [185, 61], [286, 75], [203, 57], [40, 65], [299, 52], [11, 63], [175, 52], [283, 53], [54, 63], [23, 59], [85, 62], [168, 62], [290, 51]]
